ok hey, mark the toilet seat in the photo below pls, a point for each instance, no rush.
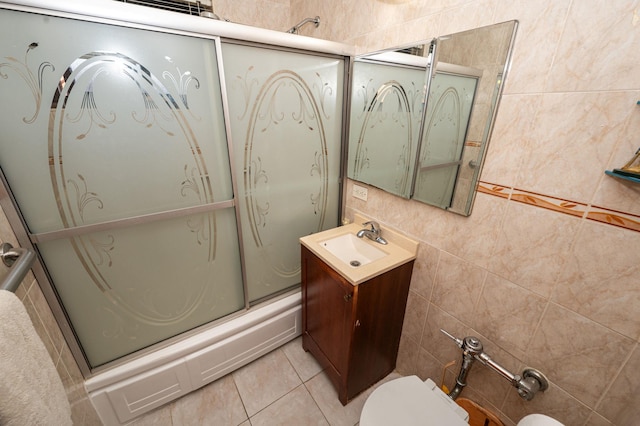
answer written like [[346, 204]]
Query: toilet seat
[[409, 401]]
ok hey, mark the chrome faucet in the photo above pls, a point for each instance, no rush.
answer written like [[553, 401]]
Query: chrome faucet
[[372, 233]]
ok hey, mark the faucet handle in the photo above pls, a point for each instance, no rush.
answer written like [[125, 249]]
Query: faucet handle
[[375, 227]]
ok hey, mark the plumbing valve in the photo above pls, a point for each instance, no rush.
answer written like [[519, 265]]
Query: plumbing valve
[[528, 384]]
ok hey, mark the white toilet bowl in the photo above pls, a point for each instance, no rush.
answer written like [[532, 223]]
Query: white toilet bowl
[[409, 401], [538, 420]]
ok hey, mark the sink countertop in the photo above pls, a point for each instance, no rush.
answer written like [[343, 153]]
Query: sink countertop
[[399, 250]]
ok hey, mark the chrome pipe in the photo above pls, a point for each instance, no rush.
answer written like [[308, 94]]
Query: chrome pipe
[[295, 28], [19, 260], [528, 384]]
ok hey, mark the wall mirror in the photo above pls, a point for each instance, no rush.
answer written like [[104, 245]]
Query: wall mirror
[[429, 148]]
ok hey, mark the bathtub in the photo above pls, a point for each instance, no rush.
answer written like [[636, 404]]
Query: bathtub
[[129, 390]]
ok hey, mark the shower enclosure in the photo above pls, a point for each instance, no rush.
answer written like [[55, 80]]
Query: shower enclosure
[[163, 176]]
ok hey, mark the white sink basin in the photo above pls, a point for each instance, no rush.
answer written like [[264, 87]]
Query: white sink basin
[[352, 250]]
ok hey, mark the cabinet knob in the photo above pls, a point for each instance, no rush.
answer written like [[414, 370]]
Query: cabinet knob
[[358, 323], [347, 297]]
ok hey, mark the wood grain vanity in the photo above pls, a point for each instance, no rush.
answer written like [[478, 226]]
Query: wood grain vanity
[[352, 323]]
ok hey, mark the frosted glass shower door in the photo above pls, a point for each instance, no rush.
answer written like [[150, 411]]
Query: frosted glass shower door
[[447, 118], [386, 112], [114, 147], [286, 117]]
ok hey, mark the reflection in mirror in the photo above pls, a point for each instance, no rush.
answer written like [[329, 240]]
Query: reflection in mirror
[[442, 167], [388, 92], [466, 83], [451, 96]]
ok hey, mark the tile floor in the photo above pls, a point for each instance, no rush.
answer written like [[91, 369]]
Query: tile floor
[[284, 387]]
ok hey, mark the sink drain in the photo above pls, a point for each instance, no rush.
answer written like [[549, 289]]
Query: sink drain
[[354, 263]]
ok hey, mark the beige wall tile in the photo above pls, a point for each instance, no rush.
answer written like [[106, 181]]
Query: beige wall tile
[[596, 44], [415, 317], [621, 403], [533, 246], [561, 144], [600, 278], [579, 355], [457, 287], [508, 314], [511, 133], [541, 24]]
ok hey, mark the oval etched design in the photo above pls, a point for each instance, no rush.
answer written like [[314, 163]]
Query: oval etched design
[[443, 137], [387, 128], [111, 124], [285, 122]]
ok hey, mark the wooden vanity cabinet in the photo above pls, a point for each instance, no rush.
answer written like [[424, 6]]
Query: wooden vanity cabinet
[[353, 331]]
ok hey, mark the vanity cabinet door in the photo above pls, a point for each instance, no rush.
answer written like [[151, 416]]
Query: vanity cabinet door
[[327, 312], [378, 320]]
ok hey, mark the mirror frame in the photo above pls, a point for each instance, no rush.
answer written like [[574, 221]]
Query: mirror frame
[[436, 49]]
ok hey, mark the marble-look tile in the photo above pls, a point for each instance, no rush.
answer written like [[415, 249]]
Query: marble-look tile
[[600, 278], [554, 402], [326, 396], [621, 403], [533, 245], [461, 16], [83, 413], [511, 132], [406, 363], [473, 238], [540, 26], [303, 362], [218, 403], [265, 380], [458, 286], [415, 316], [295, 408], [596, 420], [566, 158], [587, 23], [46, 316], [258, 13], [577, 354], [508, 314], [435, 342], [428, 367], [424, 270]]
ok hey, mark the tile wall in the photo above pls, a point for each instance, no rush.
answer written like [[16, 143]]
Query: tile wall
[[546, 270]]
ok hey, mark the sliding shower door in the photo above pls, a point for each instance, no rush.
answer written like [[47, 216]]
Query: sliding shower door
[[113, 144], [285, 110]]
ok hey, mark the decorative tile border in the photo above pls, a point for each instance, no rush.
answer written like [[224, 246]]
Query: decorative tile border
[[491, 189], [595, 213], [610, 217]]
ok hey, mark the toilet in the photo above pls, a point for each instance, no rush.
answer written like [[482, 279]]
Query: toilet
[[409, 401]]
